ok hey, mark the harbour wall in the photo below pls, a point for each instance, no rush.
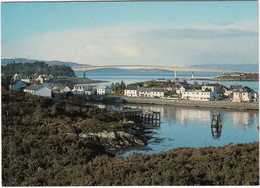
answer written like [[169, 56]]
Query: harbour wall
[[191, 103]]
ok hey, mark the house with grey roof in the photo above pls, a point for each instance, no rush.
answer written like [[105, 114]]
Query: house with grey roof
[[17, 85], [39, 90], [243, 93]]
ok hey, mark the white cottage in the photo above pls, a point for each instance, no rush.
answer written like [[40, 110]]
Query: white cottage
[[212, 88], [79, 90], [64, 89], [200, 95], [152, 92], [130, 92], [103, 90], [39, 90], [243, 94]]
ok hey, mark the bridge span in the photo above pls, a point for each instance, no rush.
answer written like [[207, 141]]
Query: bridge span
[[174, 69]]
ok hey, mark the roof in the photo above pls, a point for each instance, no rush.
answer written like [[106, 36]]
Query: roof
[[34, 87], [130, 88], [152, 89], [63, 87], [241, 88], [16, 81], [236, 87]]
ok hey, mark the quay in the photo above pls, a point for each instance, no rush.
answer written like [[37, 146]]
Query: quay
[[150, 118], [192, 103]]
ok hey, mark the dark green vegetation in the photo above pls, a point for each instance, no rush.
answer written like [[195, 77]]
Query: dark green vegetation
[[36, 150], [152, 83], [230, 165], [6, 80], [29, 69], [118, 88]]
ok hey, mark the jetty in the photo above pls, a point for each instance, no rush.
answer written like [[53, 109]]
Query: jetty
[[151, 118]]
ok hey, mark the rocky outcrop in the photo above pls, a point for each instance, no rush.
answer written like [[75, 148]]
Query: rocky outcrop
[[114, 140]]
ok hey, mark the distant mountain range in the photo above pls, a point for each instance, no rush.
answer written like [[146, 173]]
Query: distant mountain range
[[235, 67], [5, 61]]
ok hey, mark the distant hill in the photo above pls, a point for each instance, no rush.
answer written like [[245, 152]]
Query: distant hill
[[235, 67], [5, 61]]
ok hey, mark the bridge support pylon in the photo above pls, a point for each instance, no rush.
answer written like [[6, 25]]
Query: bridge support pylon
[[192, 75], [175, 75]]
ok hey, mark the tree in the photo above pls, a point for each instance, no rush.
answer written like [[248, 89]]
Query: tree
[[6, 81]]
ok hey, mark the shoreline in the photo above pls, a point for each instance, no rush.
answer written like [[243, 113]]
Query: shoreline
[[196, 104]]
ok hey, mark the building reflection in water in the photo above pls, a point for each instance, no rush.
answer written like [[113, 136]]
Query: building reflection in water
[[244, 119], [181, 115]]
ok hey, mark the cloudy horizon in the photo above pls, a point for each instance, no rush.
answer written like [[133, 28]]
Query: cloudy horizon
[[132, 35]]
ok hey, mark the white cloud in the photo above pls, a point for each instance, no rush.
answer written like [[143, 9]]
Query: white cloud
[[225, 42]]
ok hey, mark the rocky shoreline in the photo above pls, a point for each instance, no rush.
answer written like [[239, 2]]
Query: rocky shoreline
[[115, 141], [196, 104]]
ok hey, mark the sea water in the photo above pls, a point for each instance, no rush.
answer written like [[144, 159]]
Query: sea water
[[182, 126]]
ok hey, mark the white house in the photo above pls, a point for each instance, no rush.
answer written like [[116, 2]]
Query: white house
[[212, 88], [79, 90], [243, 94], [180, 90], [17, 85], [103, 90], [39, 90], [131, 92], [63, 89], [151, 92], [40, 79], [199, 95]]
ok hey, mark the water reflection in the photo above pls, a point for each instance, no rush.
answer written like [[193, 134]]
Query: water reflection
[[243, 119], [177, 114], [190, 127], [216, 126], [216, 132], [182, 116]]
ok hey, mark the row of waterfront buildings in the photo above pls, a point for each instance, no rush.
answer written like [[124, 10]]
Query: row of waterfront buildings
[[47, 89], [209, 92]]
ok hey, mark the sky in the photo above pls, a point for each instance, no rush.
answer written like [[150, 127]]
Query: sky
[[132, 33]]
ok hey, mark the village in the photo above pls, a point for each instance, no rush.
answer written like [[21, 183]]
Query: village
[[176, 90]]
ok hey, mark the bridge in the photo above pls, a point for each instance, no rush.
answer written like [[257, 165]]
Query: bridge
[[174, 69]]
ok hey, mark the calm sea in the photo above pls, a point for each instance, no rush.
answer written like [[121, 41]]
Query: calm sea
[[117, 75]]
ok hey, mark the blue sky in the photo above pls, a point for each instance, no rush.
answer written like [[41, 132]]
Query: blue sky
[[100, 33]]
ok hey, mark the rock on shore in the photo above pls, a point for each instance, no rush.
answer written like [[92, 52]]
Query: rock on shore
[[114, 140]]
